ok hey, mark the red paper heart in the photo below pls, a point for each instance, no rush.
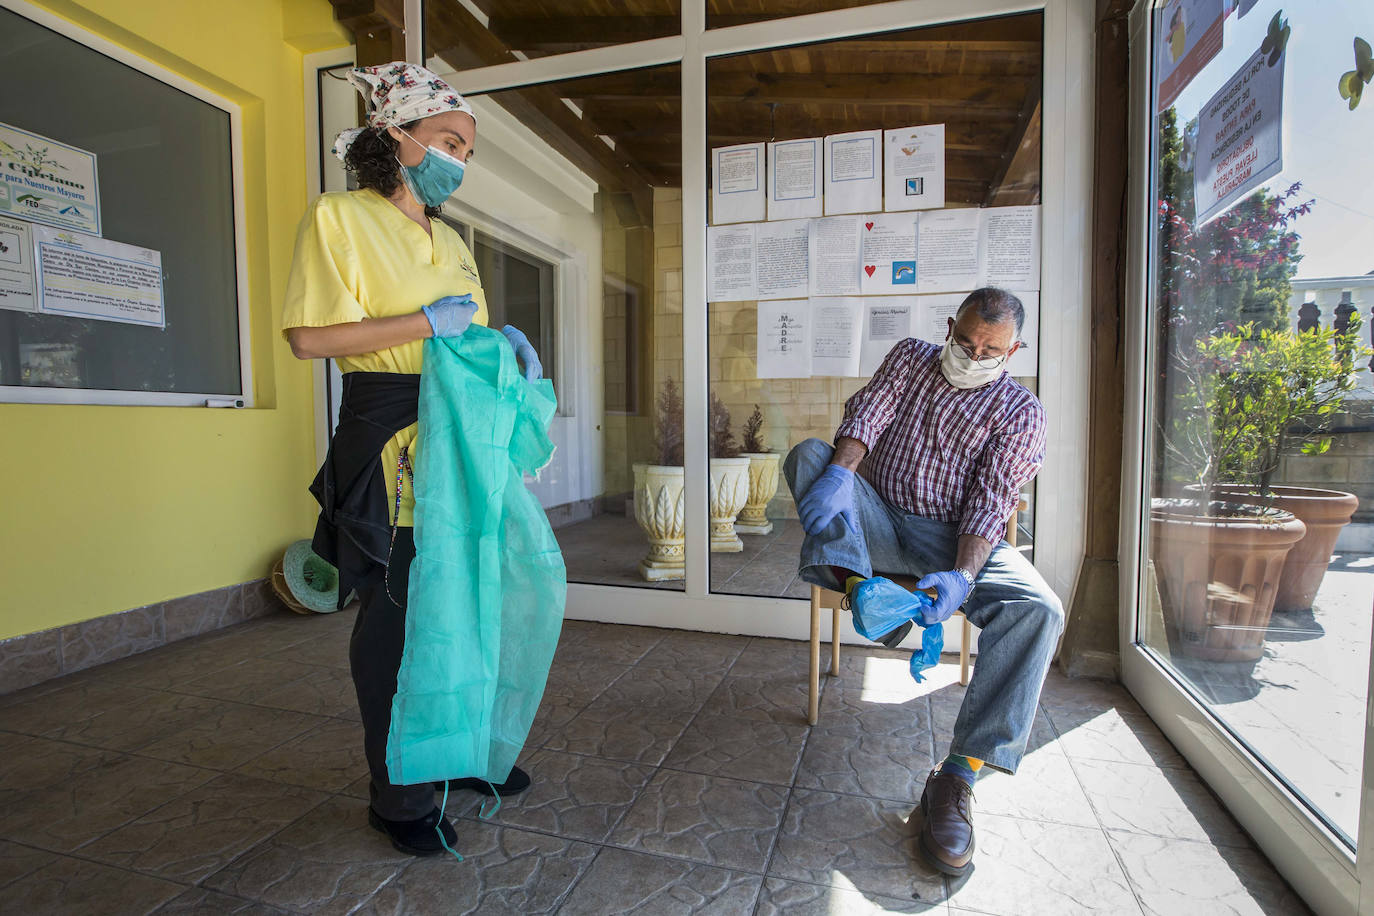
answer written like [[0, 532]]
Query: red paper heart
[[868, 226], [869, 268]]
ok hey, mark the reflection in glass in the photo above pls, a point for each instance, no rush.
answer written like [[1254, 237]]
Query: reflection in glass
[[982, 81], [480, 33], [599, 178], [721, 14], [1258, 583]]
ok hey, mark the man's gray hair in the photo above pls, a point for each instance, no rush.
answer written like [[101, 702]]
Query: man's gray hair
[[993, 306]]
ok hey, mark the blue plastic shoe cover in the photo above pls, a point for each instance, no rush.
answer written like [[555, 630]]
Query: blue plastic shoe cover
[[932, 644], [881, 606]]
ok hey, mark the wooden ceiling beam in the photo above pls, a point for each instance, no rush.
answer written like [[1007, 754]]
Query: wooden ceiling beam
[[541, 109], [538, 108], [554, 34], [378, 29], [1017, 50], [664, 145], [572, 32], [896, 88], [986, 129]]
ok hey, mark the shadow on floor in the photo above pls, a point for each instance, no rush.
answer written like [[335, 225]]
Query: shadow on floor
[[673, 774]]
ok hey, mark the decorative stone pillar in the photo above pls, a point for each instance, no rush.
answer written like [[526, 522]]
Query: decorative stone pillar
[[1344, 309], [1309, 316]]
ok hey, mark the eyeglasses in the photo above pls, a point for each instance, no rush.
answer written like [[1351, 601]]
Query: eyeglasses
[[982, 362]]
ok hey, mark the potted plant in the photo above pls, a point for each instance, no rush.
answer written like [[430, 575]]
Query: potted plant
[[763, 478], [1289, 386], [729, 481], [1218, 560], [658, 493]]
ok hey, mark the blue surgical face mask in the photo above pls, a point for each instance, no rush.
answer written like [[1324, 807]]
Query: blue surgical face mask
[[436, 177]]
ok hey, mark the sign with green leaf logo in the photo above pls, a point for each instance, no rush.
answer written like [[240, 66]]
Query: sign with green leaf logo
[[48, 182]]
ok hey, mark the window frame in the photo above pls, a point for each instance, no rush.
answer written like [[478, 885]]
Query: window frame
[[1312, 858], [566, 308], [1066, 191], [23, 394]]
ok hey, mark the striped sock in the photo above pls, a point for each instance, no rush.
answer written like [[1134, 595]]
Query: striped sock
[[966, 768]]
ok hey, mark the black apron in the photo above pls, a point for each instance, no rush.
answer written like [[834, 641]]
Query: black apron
[[354, 529]]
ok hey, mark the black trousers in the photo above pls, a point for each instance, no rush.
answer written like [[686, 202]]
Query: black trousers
[[374, 655]]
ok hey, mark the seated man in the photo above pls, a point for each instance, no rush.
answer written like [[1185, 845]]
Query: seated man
[[943, 441]]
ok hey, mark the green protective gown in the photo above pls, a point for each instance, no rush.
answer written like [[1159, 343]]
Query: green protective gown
[[488, 585]]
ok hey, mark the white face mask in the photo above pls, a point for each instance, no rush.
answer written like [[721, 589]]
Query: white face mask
[[962, 372]]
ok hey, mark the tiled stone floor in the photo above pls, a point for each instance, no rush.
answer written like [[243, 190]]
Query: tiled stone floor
[[1301, 706], [673, 771]]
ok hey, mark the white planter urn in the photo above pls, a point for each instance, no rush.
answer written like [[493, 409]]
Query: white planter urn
[[763, 486], [729, 493], [660, 510]]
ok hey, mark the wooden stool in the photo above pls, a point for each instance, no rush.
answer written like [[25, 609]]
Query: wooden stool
[[828, 598]]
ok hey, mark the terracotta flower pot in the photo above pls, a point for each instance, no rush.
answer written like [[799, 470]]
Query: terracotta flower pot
[[1219, 575], [1325, 513], [763, 486]]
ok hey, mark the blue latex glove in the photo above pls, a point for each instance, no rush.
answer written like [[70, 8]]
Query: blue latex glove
[[832, 494], [524, 351], [950, 591], [450, 315], [932, 644]]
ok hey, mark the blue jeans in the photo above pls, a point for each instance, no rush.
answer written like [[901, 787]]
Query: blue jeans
[[1019, 616]]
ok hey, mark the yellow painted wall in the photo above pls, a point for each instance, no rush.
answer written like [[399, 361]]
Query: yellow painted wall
[[110, 508]]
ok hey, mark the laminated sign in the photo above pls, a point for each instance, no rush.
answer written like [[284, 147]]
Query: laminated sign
[[1189, 33], [44, 181], [1240, 136]]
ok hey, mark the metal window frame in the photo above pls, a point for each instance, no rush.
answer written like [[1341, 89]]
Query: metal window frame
[[1066, 193], [1304, 850], [23, 394]]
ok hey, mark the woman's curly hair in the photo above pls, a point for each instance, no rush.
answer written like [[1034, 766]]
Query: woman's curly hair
[[372, 158]]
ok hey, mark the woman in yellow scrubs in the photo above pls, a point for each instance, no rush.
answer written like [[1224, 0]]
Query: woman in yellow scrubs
[[375, 273]]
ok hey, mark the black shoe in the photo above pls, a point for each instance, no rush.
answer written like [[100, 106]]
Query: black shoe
[[893, 639], [946, 840], [517, 782], [417, 837]]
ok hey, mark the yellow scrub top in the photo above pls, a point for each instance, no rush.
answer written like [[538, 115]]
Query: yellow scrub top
[[358, 256]]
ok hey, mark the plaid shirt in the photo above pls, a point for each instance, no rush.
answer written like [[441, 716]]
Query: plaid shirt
[[943, 453]]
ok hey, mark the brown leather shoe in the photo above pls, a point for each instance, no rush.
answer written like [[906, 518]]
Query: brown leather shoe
[[946, 840]]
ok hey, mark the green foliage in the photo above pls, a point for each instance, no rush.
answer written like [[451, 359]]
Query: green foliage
[[1238, 267], [752, 427], [722, 439], [668, 425], [1249, 394]]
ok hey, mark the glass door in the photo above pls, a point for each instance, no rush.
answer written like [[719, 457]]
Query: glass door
[[787, 353], [1251, 638], [598, 131]]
